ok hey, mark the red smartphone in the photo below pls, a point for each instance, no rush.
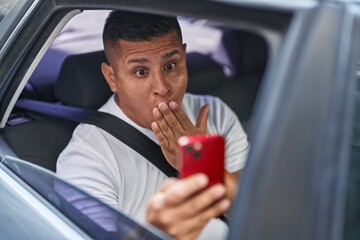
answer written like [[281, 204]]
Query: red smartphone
[[202, 154]]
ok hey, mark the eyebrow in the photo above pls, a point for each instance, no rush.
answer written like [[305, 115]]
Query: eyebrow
[[138, 60], [143, 60], [170, 54]]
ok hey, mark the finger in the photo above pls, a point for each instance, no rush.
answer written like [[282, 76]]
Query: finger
[[180, 115], [163, 141], [167, 144], [202, 201], [167, 184], [201, 121], [184, 229], [192, 226], [168, 115], [171, 196], [183, 189], [203, 218], [163, 124], [173, 121], [218, 209]]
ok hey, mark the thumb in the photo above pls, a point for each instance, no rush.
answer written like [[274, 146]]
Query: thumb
[[203, 117]]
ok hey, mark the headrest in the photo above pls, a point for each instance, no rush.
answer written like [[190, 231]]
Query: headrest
[[81, 82], [241, 53], [204, 73]]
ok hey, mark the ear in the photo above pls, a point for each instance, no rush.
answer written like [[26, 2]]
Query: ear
[[184, 51], [109, 75], [184, 47]]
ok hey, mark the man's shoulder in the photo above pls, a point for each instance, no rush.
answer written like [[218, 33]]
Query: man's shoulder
[[202, 99], [195, 101], [86, 133], [110, 106]]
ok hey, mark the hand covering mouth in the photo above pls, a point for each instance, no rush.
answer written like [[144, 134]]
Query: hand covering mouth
[[167, 102]]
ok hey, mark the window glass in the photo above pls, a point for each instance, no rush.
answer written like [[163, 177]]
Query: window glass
[[11, 13], [352, 216], [22, 218], [5, 8], [97, 219], [231, 60]]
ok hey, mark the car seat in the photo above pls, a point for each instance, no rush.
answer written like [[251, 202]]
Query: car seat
[[41, 83], [233, 72], [81, 82], [352, 210], [40, 139]]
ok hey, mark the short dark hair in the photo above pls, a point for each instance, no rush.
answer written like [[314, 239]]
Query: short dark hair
[[133, 27]]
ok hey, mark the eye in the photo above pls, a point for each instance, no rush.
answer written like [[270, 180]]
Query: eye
[[169, 66], [141, 72]]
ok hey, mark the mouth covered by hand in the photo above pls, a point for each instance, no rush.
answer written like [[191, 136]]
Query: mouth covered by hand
[[171, 123]]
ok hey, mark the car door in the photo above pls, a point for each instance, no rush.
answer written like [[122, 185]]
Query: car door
[[294, 184], [291, 186]]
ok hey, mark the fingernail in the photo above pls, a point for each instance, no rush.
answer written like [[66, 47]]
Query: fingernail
[[154, 126], [156, 113], [203, 179], [173, 105], [224, 205], [162, 106], [220, 190]]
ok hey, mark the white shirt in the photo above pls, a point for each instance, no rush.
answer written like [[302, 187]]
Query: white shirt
[[108, 169]]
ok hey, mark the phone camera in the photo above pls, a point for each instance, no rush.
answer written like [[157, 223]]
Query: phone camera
[[188, 148], [196, 154]]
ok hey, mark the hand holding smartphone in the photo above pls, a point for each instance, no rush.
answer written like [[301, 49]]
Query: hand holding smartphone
[[202, 154]]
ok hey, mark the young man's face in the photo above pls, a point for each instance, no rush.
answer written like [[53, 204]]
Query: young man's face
[[145, 73]]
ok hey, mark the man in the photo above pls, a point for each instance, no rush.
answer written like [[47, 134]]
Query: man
[[148, 75]]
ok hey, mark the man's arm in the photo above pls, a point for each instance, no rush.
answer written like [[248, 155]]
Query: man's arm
[[182, 208], [185, 217], [231, 182], [171, 123]]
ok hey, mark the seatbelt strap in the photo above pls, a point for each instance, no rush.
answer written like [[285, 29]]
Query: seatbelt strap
[[108, 122], [111, 124]]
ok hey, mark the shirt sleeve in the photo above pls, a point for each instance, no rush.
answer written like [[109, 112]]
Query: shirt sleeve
[[85, 167], [225, 122]]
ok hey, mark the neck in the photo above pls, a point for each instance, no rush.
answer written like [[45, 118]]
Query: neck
[[129, 113]]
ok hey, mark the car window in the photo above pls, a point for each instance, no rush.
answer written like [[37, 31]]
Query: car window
[[99, 220], [224, 62], [83, 34], [11, 13], [231, 59], [24, 217], [352, 209]]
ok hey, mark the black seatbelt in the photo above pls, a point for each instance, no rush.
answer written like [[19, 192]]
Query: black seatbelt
[[111, 124]]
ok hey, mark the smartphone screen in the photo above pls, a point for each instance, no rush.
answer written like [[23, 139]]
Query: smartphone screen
[[202, 154]]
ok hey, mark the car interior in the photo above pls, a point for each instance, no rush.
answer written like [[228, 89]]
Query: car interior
[[232, 70], [226, 62]]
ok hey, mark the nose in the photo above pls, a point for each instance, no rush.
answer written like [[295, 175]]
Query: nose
[[162, 86]]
